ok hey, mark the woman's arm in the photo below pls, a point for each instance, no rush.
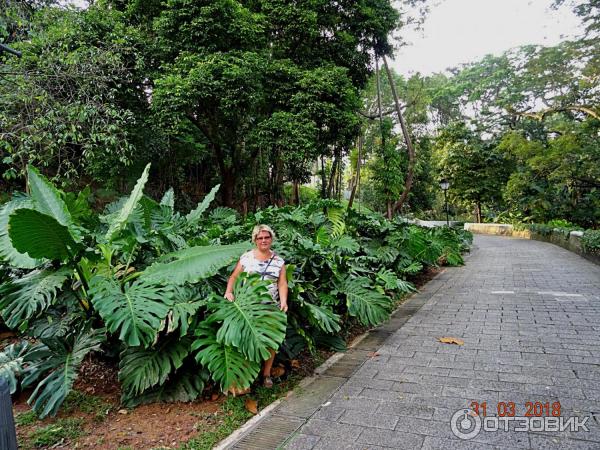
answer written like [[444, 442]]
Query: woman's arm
[[282, 286], [229, 291]]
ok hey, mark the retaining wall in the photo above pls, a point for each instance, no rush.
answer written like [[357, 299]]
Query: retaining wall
[[570, 241]]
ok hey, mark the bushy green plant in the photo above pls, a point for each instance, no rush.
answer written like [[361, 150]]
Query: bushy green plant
[[145, 283], [591, 241]]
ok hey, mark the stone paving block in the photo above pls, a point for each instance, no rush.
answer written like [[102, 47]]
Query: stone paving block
[[379, 420], [302, 442], [436, 443], [392, 439], [329, 429], [406, 409]]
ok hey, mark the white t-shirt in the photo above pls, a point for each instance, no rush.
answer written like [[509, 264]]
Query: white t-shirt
[[251, 264]]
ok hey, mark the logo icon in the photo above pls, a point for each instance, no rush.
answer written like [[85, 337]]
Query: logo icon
[[465, 424]]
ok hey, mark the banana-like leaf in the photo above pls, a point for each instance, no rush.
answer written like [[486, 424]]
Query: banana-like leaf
[[47, 199], [186, 386], [168, 199], [136, 312], [8, 252], [62, 360], [11, 363], [40, 235], [252, 323], [141, 369], [226, 365], [120, 220], [365, 303], [193, 264], [323, 318], [196, 214], [30, 295]]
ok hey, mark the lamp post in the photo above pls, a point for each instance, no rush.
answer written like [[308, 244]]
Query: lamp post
[[444, 185]]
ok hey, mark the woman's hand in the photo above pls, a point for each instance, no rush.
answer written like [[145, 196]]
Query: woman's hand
[[229, 296], [283, 306]]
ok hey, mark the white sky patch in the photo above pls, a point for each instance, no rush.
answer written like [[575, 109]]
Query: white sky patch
[[461, 31]]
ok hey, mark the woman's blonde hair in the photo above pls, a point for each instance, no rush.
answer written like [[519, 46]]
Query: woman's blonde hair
[[258, 228]]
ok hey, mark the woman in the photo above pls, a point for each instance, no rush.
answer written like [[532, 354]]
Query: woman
[[271, 267]]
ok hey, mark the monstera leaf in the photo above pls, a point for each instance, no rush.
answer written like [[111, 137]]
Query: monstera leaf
[[185, 307], [365, 303], [141, 369], [30, 295], [345, 244], [8, 252], [136, 311], [11, 363], [323, 318], [183, 386], [193, 264], [196, 214], [40, 235], [227, 366], [252, 323], [119, 221], [58, 360]]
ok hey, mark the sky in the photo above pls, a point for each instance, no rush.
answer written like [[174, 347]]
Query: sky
[[460, 31]]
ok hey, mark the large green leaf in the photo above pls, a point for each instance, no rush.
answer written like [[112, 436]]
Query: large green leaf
[[59, 360], [8, 252], [196, 214], [141, 369], [185, 306], [30, 295], [226, 365], [119, 221], [323, 318], [183, 386], [11, 363], [365, 303], [346, 244], [193, 264], [135, 311], [47, 199], [168, 199], [40, 236], [252, 323]]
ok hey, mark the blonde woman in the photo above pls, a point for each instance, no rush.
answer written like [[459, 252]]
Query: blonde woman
[[271, 267]]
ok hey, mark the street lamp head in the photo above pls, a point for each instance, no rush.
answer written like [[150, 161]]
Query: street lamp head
[[444, 184]]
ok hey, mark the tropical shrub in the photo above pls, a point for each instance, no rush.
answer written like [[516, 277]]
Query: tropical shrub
[[145, 280]]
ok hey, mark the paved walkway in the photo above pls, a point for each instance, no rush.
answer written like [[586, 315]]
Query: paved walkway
[[529, 315]]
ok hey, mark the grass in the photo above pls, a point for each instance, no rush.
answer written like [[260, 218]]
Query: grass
[[233, 414], [26, 418], [59, 431], [90, 404]]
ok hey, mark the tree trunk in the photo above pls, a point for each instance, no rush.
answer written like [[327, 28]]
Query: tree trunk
[[323, 178], [478, 211], [357, 174], [228, 186], [296, 193], [407, 140], [390, 210], [331, 177]]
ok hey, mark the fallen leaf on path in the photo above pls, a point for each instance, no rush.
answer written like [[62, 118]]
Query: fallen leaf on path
[[451, 340], [372, 354], [252, 405], [295, 363]]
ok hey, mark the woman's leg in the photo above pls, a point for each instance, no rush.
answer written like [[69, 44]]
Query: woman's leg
[[268, 364]]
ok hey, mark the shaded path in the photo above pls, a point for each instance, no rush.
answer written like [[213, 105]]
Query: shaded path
[[529, 314]]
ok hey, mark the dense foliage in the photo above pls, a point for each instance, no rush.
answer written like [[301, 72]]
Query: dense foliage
[[143, 284]]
